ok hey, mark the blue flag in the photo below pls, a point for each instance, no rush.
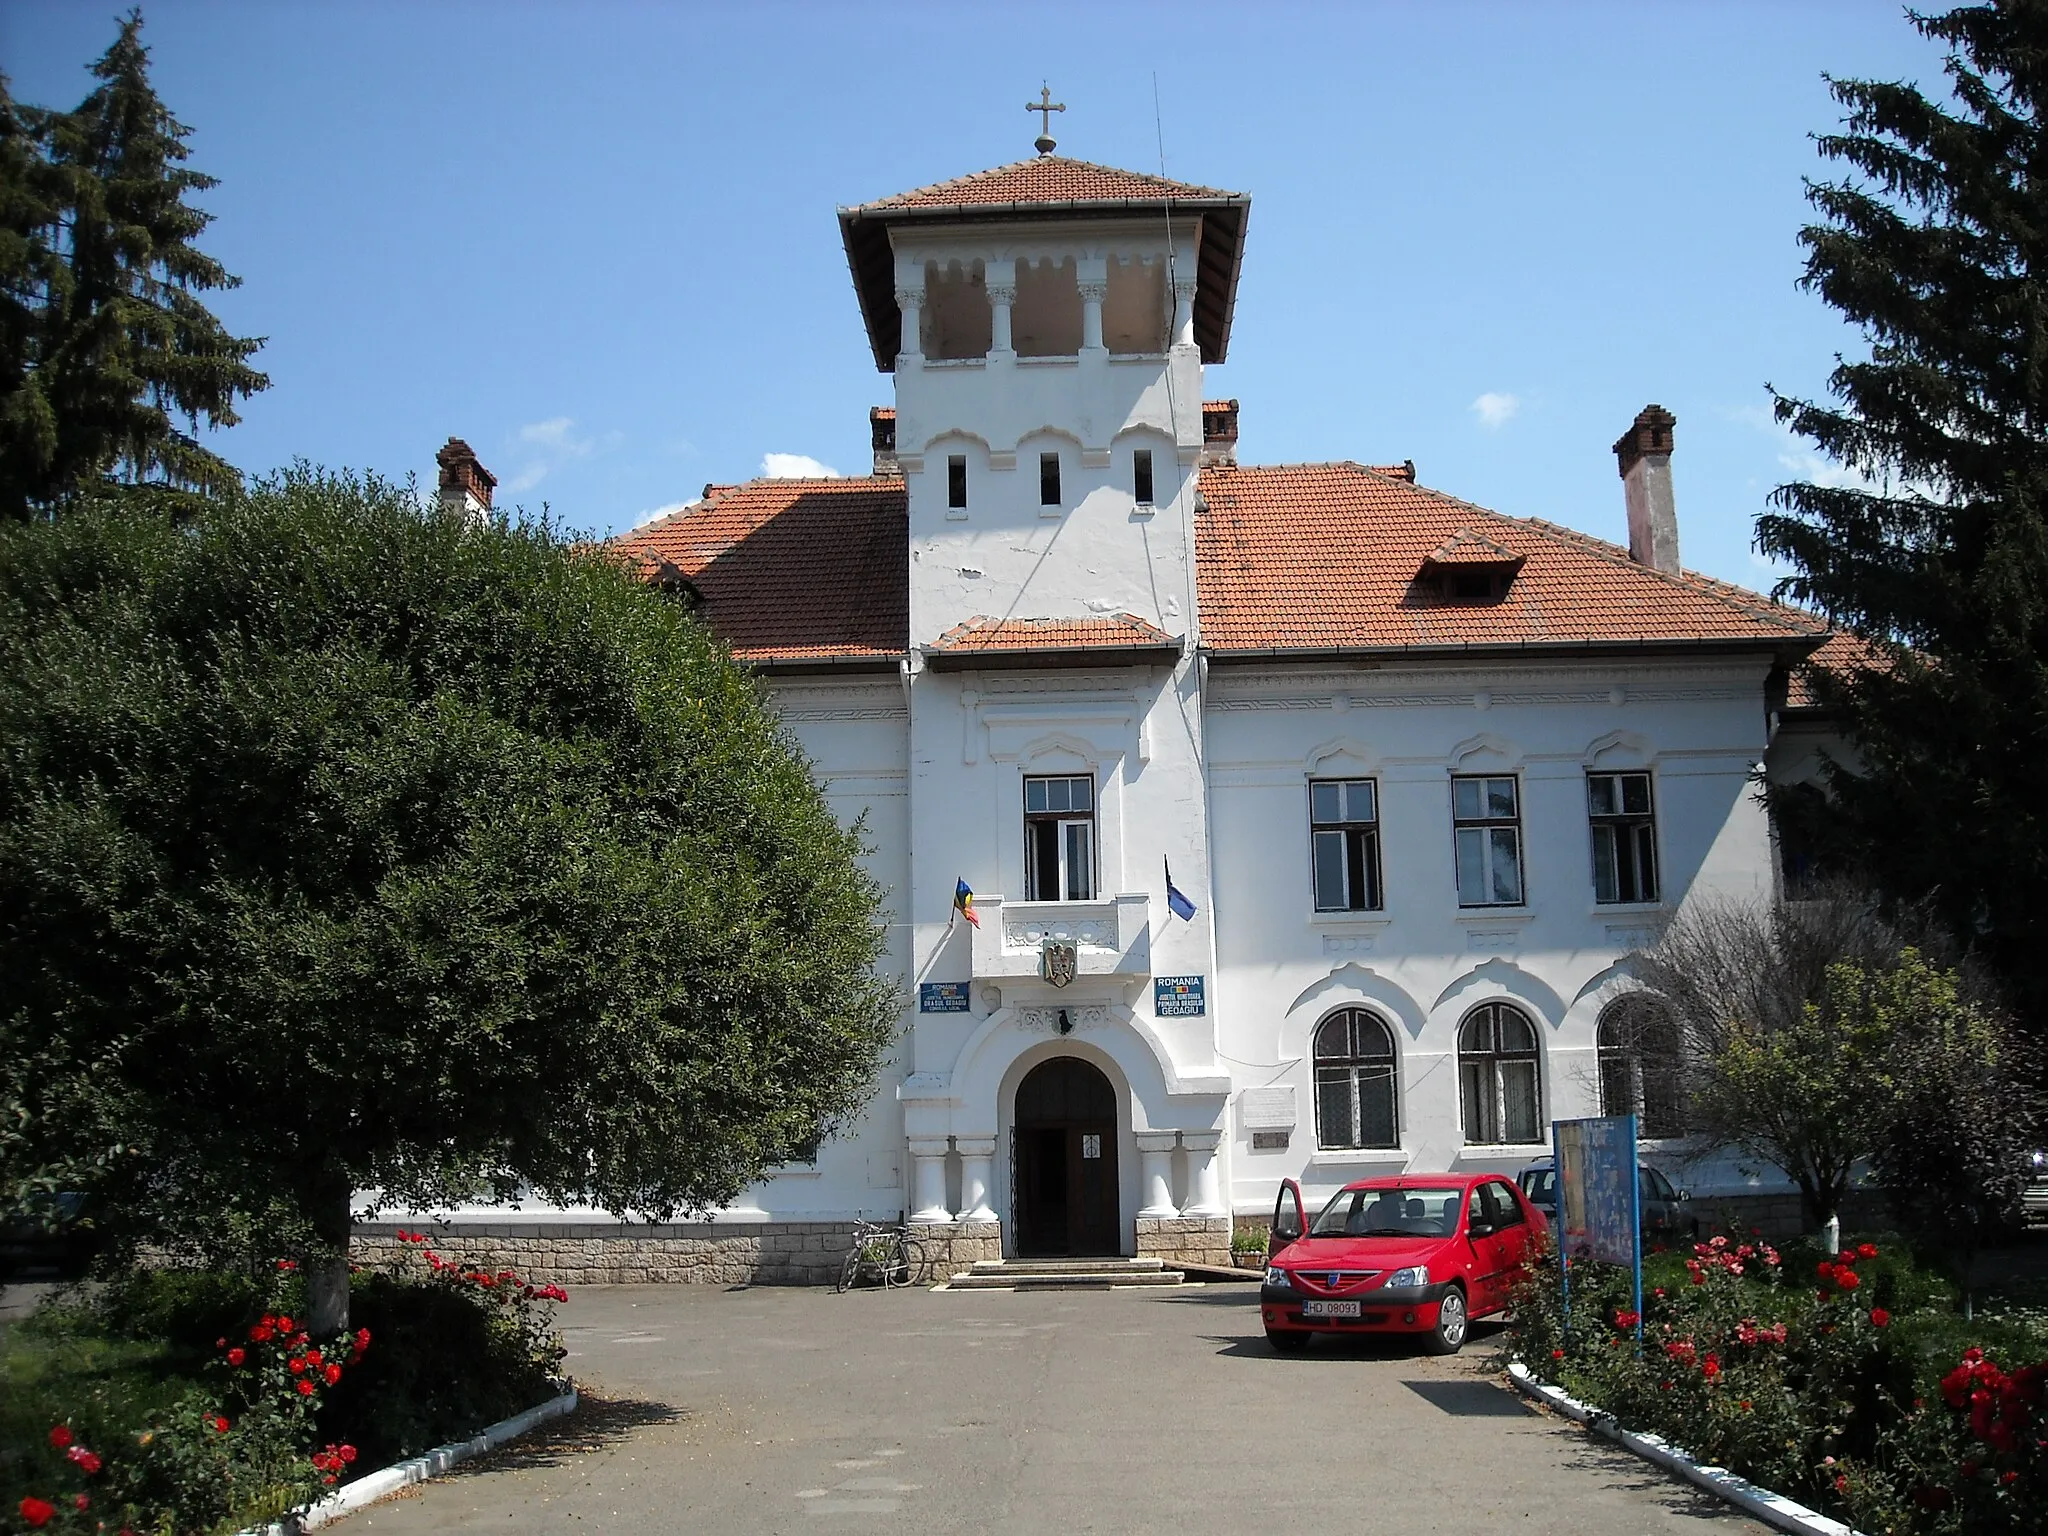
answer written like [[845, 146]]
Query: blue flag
[[1176, 903]]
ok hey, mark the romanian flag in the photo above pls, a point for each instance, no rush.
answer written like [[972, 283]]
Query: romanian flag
[[963, 903]]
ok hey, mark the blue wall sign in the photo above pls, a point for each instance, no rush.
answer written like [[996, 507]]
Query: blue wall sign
[[942, 997], [1178, 997]]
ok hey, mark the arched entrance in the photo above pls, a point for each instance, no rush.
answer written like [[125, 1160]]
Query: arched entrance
[[1064, 1178]]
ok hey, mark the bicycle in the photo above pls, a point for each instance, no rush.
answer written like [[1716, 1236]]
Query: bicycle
[[887, 1254]]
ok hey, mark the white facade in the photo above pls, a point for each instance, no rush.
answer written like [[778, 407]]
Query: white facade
[[1046, 363]]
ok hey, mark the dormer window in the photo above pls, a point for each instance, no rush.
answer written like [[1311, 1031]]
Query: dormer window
[[1469, 570]]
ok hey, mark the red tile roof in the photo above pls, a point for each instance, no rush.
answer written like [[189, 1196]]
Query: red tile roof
[[982, 634], [792, 570], [1305, 558], [1044, 179], [1840, 652], [1468, 548], [1325, 557]]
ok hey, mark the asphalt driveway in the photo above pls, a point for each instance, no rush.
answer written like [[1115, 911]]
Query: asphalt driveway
[[773, 1410]]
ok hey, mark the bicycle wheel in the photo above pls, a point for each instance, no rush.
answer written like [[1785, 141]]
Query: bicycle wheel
[[849, 1271], [895, 1265], [917, 1262]]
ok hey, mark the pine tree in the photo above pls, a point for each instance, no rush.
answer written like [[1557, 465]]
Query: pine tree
[[127, 360], [29, 273], [1936, 552]]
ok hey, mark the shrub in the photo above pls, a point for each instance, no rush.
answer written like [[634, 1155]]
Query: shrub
[[1832, 1378]]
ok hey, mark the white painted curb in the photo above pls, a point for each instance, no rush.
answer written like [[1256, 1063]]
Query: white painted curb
[[416, 1469], [1771, 1508]]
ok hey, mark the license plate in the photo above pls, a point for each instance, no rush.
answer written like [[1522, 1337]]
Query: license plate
[[1329, 1309]]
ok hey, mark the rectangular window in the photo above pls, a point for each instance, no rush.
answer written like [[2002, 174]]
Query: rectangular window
[[1344, 838], [1059, 839], [1624, 837], [1141, 476], [956, 480], [1048, 479], [1487, 824]]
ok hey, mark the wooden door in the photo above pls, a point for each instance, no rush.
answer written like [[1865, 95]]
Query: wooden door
[[1066, 1169]]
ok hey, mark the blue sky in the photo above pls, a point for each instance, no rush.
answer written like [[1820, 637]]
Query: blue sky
[[598, 241]]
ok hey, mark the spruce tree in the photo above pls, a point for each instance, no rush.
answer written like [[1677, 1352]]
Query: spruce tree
[[125, 356], [1936, 551]]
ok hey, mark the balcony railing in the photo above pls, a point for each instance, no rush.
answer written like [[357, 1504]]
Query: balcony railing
[[1112, 937]]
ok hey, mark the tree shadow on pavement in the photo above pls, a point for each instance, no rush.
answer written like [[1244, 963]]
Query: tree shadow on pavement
[[596, 1424], [1626, 1473]]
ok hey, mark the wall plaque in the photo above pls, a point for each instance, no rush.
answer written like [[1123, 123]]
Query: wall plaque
[[942, 997], [1178, 997]]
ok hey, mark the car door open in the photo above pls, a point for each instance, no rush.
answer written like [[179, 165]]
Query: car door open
[[1289, 1220]]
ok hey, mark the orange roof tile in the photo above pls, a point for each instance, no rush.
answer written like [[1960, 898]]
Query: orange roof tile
[[1840, 652], [1304, 559], [1468, 548], [792, 570], [1044, 179], [1325, 557], [982, 634]]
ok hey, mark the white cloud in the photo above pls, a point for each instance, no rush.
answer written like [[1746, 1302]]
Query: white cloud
[[796, 466], [547, 445], [1494, 408]]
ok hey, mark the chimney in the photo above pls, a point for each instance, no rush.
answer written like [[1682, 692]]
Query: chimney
[[1644, 454], [465, 484], [1219, 432], [882, 429]]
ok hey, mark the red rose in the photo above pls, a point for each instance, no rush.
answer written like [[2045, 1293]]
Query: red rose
[[37, 1512], [297, 1364], [86, 1461], [1879, 1317], [305, 1387], [1557, 1354], [332, 1373], [1848, 1279], [1866, 1250], [362, 1338], [220, 1424], [260, 1333], [284, 1324], [348, 1453], [82, 1501], [1744, 1405], [313, 1357], [60, 1436], [237, 1355]]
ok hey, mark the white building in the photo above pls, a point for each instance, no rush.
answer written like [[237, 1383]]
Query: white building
[[1427, 773]]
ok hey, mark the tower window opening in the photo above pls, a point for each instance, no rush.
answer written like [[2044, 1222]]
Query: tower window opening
[[1045, 320], [1048, 479], [1135, 313], [1141, 476], [956, 481], [956, 321]]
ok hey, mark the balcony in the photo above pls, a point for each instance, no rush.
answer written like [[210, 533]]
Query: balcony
[[1110, 938]]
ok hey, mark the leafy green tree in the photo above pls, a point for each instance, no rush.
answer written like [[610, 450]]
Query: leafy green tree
[[1954, 1150], [1936, 551], [111, 356], [344, 846]]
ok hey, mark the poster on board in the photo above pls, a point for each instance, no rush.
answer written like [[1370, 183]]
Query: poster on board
[[1599, 1212]]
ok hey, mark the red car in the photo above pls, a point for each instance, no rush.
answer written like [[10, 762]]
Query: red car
[[1410, 1253]]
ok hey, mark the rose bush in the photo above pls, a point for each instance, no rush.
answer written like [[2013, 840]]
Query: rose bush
[[1844, 1380], [271, 1418]]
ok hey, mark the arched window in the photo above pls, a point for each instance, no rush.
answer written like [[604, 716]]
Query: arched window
[[1639, 1066], [1355, 1081], [1498, 1077]]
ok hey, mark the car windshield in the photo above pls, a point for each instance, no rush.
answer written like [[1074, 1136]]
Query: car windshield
[[1390, 1213], [1540, 1185]]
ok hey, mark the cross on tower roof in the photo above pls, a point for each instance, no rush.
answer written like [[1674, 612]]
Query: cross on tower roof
[[1045, 106]]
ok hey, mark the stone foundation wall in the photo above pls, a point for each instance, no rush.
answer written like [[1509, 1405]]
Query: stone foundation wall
[[954, 1246], [1185, 1239]]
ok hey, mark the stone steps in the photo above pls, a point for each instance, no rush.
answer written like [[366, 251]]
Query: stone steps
[[1062, 1274]]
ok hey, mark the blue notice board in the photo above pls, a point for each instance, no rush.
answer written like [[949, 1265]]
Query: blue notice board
[[1178, 997], [942, 997]]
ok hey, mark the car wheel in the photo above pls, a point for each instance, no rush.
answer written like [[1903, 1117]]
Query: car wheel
[[1448, 1336], [1287, 1342]]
